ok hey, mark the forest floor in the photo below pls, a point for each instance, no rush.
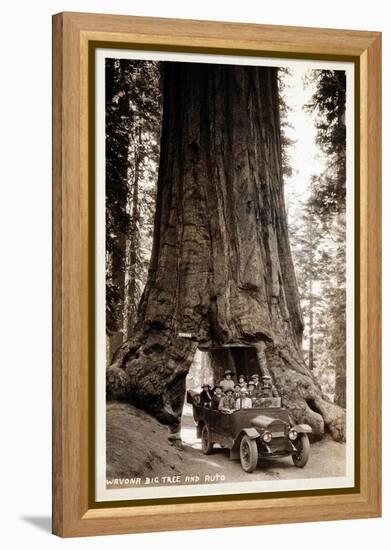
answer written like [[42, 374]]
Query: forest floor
[[137, 448]]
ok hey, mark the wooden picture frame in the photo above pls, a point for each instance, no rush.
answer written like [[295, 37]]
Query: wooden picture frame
[[74, 37]]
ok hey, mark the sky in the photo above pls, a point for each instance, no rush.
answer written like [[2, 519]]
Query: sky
[[306, 158]]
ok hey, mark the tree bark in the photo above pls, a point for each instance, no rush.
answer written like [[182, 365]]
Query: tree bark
[[133, 243], [221, 271], [311, 294]]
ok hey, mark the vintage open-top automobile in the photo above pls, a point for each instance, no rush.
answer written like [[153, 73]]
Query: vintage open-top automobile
[[265, 431]]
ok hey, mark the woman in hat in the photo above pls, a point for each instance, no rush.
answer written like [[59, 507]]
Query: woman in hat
[[217, 395], [206, 395], [227, 403], [227, 383], [242, 381]]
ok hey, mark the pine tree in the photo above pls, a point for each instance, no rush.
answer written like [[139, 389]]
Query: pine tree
[[306, 241], [133, 112], [329, 102], [142, 177], [328, 105], [118, 120], [286, 141]]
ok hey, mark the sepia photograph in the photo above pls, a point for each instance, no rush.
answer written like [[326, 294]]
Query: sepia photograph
[[224, 275], [216, 274]]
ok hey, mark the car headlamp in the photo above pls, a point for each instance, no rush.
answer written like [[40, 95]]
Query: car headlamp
[[292, 435], [267, 437]]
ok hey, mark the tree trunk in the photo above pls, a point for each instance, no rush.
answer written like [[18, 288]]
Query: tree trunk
[[311, 312], [133, 244], [221, 271], [117, 149], [116, 336], [311, 276]]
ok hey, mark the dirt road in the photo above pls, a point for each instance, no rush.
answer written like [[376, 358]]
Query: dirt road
[[137, 448]]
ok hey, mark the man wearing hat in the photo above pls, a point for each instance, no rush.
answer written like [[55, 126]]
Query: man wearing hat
[[243, 402], [255, 379], [267, 388], [206, 395], [227, 403], [227, 382], [251, 390]]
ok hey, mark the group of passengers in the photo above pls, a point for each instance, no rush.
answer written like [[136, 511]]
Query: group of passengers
[[230, 395]]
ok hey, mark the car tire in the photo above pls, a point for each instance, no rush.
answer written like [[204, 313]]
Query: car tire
[[300, 458], [206, 442], [248, 454]]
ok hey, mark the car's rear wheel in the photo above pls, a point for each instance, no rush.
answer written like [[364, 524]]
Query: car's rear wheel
[[248, 454], [300, 458], [206, 442]]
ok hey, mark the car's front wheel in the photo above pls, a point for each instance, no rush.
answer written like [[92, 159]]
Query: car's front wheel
[[301, 456], [248, 454], [206, 442]]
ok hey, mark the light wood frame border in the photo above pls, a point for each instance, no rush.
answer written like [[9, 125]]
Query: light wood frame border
[[73, 513]]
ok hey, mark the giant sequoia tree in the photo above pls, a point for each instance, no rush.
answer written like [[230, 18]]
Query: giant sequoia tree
[[221, 275]]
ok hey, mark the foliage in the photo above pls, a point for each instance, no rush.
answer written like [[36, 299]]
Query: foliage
[[286, 142], [319, 257], [328, 105], [133, 113], [318, 240]]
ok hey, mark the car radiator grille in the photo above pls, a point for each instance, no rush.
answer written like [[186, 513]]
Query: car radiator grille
[[278, 430]]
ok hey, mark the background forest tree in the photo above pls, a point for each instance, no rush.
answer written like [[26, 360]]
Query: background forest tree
[[318, 239], [133, 122]]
